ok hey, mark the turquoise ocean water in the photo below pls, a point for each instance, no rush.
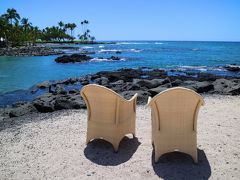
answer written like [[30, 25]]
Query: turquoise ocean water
[[21, 73]]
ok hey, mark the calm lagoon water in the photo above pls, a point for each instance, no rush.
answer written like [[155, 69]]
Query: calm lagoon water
[[18, 73]]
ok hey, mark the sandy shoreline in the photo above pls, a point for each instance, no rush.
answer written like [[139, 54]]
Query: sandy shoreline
[[52, 146]]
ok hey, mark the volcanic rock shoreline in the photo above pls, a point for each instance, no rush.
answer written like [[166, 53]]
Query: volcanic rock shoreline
[[144, 81], [29, 51], [82, 57]]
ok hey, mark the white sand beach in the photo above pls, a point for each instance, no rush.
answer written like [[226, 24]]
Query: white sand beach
[[52, 146]]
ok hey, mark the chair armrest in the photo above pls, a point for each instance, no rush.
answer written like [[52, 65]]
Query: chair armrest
[[134, 97], [134, 101], [149, 100]]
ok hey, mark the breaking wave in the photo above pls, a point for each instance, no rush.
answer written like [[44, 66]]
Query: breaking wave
[[118, 50], [87, 47], [201, 68], [106, 59]]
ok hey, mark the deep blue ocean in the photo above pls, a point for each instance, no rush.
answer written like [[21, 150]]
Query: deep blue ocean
[[21, 73]]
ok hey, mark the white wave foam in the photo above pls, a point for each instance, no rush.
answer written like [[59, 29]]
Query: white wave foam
[[132, 43], [139, 43], [100, 59], [199, 68], [105, 59], [202, 68], [118, 50], [69, 51], [135, 50], [219, 69], [108, 50], [87, 47], [101, 46]]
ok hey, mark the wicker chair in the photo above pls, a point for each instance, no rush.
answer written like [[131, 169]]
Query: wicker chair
[[174, 114], [110, 116]]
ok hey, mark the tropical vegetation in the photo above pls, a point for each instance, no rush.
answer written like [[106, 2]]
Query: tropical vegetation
[[17, 31]]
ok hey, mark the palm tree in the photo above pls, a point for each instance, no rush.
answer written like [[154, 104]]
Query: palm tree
[[12, 15], [3, 30], [72, 26], [26, 24], [84, 25], [61, 24], [66, 27], [85, 37], [92, 38], [35, 34]]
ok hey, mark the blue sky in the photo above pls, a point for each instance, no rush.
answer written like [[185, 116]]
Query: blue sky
[[214, 20]]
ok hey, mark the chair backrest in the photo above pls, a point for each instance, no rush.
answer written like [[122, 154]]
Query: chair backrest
[[101, 103], [175, 110]]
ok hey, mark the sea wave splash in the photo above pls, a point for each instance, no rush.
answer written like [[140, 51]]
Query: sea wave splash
[[87, 47], [118, 50], [201, 68], [132, 43], [105, 59], [129, 43]]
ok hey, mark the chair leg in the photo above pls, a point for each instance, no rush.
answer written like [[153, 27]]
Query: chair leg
[[116, 145], [194, 156], [157, 156], [88, 139], [134, 135], [157, 153]]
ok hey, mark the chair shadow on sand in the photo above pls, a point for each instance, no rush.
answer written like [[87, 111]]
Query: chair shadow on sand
[[101, 152], [176, 165]]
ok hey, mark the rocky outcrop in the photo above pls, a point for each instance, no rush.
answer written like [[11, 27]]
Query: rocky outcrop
[[44, 84], [199, 87], [44, 103], [142, 96], [228, 87], [126, 82], [149, 84], [101, 81], [156, 81], [51, 102], [21, 109], [72, 58], [29, 51], [155, 91], [114, 58], [233, 68]]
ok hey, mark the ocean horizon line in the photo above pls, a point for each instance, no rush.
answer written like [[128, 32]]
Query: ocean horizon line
[[238, 41]]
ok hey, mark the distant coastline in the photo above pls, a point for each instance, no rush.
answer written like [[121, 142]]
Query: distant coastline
[[42, 48]]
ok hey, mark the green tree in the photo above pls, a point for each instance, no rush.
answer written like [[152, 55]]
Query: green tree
[[16, 32], [66, 27], [11, 15], [72, 26], [3, 31], [26, 24], [85, 37], [61, 25]]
